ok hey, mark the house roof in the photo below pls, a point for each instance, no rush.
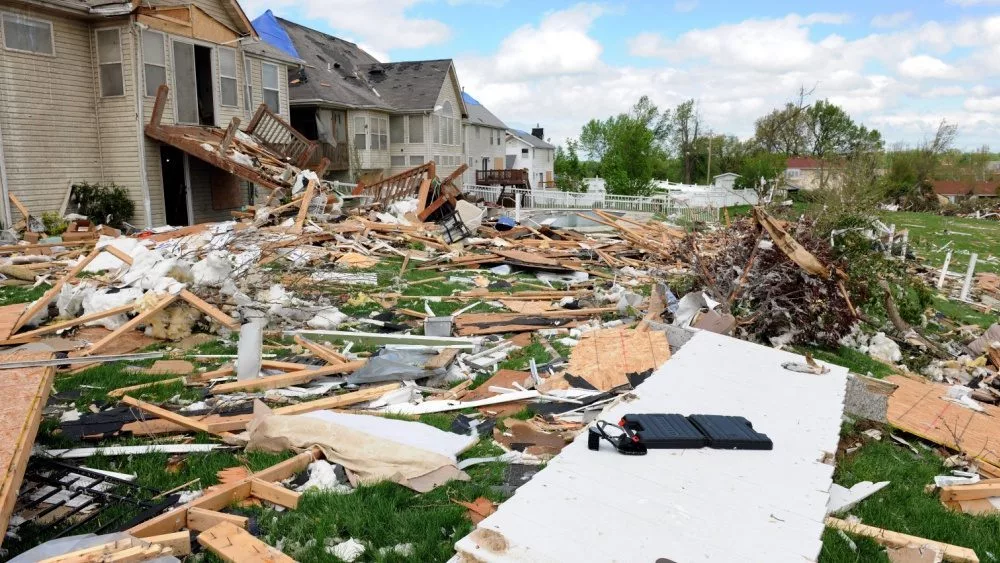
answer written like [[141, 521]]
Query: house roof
[[966, 187], [726, 175], [479, 115], [273, 34], [410, 85], [803, 163], [530, 139], [335, 70]]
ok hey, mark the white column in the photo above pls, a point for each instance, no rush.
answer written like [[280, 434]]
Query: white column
[[892, 235], [967, 284], [944, 270]]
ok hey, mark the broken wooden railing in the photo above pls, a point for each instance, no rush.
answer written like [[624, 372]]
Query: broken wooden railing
[[278, 135], [413, 182]]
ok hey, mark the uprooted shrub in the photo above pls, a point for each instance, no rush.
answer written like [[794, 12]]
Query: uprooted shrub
[[770, 295], [107, 204]]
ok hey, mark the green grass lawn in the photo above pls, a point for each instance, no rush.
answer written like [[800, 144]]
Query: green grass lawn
[[930, 232]]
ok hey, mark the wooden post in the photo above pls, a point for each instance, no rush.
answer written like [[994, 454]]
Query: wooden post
[[967, 284], [944, 270], [234, 126], [255, 120], [161, 102]]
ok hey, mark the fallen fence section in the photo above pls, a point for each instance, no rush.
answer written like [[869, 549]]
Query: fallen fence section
[[715, 505]]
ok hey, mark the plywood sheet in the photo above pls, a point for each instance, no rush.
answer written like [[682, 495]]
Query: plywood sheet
[[24, 393], [687, 505], [917, 407], [603, 357], [527, 307], [8, 316]]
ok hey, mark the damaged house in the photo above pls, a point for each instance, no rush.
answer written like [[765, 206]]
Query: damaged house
[[484, 142], [79, 89], [371, 118]]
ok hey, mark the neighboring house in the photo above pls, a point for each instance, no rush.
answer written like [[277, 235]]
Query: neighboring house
[[529, 152], [958, 190], [726, 180], [77, 85], [484, 140], [371, 118], [806, 173]]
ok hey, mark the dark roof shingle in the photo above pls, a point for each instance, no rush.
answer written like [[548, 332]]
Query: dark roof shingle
[[410, 85]]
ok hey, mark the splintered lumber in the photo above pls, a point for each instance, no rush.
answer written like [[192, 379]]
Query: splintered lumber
[[971, 492], [178, 542], [124, 390], [471, 324], [33, 334], [286, 379], [179, 419], [25, 391], [300, 219], [210, 310], [795, 251], [124, 550], [223, 495], [338, 401], [604, 357], [320, 351], [277, 494], [131, 324], [199, 519], [378, 338], [45, 299], [888, 538], [442, 359], [236, 545]]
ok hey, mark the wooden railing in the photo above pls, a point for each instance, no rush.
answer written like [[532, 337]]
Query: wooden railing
[[501, 177], [337, 154], [400, 186], [278, 135]]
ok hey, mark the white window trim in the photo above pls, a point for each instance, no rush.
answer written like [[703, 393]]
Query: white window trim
[[264, 88], [52, 34], [120, 62], [235, 77], [166, 73]]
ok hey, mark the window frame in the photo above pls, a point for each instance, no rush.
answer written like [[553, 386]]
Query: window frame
[[392, 159], [120, 62], [402, 119], [410, 129], [382, 131], [235, 78], [264, 88], [416, 160], [364, 131], [145, 63], [52, 34]]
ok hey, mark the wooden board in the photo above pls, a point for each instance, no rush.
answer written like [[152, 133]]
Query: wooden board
[[603, 357], [200, 519], [527, 307], [24, 393], [889, 538], [236, 545], [917, 407], [8, 318]]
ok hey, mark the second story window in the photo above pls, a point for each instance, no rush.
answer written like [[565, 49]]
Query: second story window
[[416, 129], [27, 34], [154, 61], [109, 60], [380, 133], [396, 126], [269, 84], [360, 133], [227, 77]]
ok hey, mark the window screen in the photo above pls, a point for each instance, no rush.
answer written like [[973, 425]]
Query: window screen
[[360, 131], [227, 77], [154, 61], [398, 160], [109, 59], [27, 34], [396, 128], [417, 130], [269, 81]]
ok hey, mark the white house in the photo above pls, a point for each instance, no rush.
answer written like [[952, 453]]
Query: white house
[[529, 152], [726, 180], [483, 140]]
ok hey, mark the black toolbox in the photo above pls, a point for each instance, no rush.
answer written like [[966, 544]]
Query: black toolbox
[[664, 430], [730, 432]]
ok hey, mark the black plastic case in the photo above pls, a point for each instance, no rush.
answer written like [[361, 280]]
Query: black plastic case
[[730, 432], [664, 431]]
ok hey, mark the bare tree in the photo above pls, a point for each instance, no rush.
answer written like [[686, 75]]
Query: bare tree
[[686, 128]]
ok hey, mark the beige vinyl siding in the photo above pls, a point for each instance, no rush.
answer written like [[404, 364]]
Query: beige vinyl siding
[[480, 148], [366, 159], [424, 149], [256, 82], [117, 126], [449, 93], [225, 114], [542, 162], [47, 115]]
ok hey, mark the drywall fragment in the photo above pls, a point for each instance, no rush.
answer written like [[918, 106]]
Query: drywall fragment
[[248, 349], [842, 498], [348, 551]]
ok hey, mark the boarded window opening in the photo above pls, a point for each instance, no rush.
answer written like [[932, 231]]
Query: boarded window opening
[[27, 34], [109, 59]]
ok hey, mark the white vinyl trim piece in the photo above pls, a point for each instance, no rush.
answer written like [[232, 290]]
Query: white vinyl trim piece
[[687, 505]]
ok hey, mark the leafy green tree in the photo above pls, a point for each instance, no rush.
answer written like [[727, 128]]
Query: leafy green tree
[[685, 131], [831, 131], [760, 165]]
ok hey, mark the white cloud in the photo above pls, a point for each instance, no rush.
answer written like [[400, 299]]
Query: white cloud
[[967, 3], [895, 19], [925, 66], [737, 72], [684, 6], [383, 24], [991, 104]]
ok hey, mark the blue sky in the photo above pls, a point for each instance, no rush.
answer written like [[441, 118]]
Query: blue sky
[[899, 66]]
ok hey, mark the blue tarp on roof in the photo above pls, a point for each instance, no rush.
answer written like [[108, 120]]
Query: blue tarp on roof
[[272, 33], [469, 100]]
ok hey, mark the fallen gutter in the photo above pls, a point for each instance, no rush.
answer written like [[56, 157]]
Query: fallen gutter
[[4, 193]]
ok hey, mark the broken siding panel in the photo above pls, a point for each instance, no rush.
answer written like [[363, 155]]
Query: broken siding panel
[[118, 128], [47, 115], [214, 8]]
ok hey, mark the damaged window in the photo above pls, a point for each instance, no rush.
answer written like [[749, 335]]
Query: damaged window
[[417, 131], [227, 77], [109, 60], [154, 61], [27, 34], [360, 133], [269, 82]]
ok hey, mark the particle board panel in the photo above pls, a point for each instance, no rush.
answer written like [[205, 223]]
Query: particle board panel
[[8, 317], [24, 393], [916, 407], [687, 505], [603, 357]]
